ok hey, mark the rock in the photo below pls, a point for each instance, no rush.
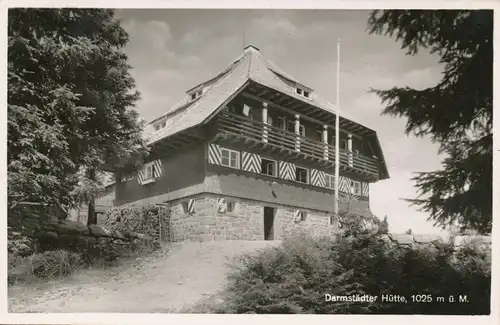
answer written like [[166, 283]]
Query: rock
[[46, 235], [117, 234], [385, 238], [402, 239], [99, 231], [82, 243], [23, 250], [68, 241], [72, 227], [425, 239]]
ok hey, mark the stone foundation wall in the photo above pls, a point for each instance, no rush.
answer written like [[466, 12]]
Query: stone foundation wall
[[245, 222], [316, 224]]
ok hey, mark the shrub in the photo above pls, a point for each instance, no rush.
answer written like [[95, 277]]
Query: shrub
[[295, 277], [48, 265]]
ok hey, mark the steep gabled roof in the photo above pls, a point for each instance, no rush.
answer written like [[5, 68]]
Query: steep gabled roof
[[251, 66]]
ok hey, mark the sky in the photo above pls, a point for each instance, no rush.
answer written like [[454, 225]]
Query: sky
[[172, 50]]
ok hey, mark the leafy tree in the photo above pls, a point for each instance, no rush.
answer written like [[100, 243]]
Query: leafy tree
[[409, 232], [70, 104], [456, 113]]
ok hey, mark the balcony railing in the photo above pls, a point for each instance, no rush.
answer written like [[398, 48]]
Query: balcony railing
[[241, 126]]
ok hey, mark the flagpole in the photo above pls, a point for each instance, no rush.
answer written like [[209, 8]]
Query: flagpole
[[337, 169]]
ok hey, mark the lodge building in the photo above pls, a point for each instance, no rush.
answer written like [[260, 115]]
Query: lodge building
[[250, 154]]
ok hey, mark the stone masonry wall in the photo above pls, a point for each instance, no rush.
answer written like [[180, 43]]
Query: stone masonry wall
[[32, 229], [245, 222], [316, 224]]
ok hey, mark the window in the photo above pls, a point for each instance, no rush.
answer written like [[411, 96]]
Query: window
[[343, 144], [269, 120], [302, 130], [330, 181], [301, 175], [302, 92], [150, 171], [160, 125], [185, 207], [196, 94], [247, 110], [303, 215], [281, 123], [355, 188], [230, 158], [268, 167], [319, 135], [230, 206], [332, 220], [291, 128], [128, 177]]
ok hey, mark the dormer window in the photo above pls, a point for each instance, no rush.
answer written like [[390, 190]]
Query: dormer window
[[196, 94], [160, 125], [302, 92]]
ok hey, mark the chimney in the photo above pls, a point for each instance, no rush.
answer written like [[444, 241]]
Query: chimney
[[250, 48]]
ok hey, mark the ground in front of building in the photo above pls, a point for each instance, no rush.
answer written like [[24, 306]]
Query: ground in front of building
[[169, 281]]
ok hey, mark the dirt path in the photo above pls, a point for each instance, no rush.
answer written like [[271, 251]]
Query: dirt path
[[159, 283]]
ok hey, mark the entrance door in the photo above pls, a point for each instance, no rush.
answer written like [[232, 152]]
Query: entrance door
[[268, 223]]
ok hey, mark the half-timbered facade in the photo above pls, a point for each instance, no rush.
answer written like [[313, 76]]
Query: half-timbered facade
[[250, 154]]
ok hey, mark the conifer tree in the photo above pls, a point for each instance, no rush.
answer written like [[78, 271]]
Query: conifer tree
[[457, 112]]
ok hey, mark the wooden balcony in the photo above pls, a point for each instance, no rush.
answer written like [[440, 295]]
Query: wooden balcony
[[237, 128]]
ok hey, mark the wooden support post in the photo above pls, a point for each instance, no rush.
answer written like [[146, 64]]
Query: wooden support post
[[349, 148], [297, 132], [325, 141], [264, 120]]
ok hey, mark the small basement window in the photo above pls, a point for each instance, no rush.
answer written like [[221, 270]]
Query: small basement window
[[355, 187], [128, 177], [230, 206], [268, 167], [185, 207], [301, 175], [230, 158]]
